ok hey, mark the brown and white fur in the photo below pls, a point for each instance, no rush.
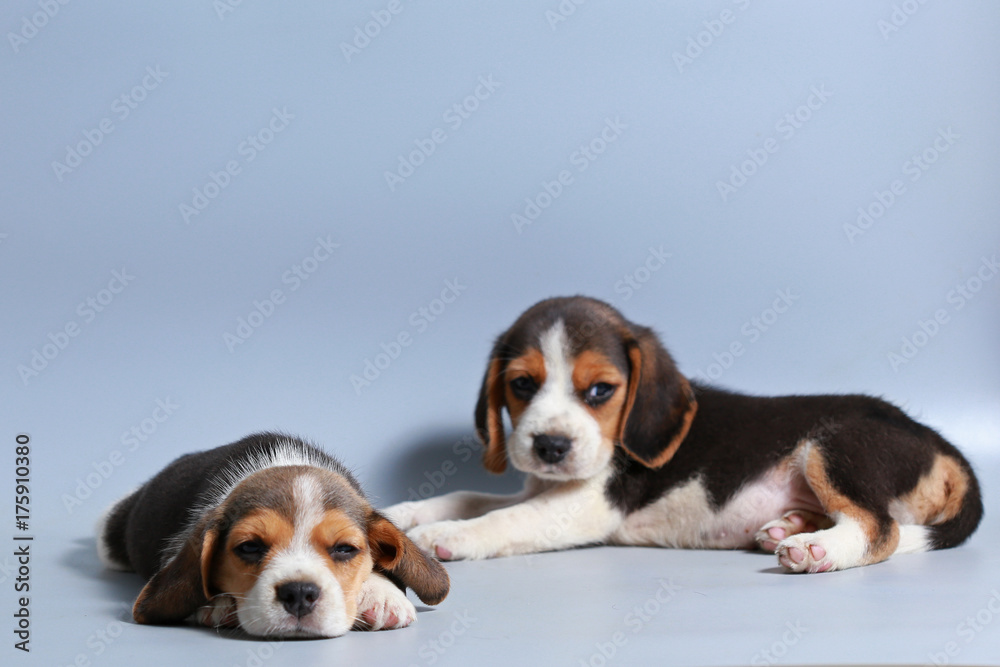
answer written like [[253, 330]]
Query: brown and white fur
[[619, 448], [268, 534]]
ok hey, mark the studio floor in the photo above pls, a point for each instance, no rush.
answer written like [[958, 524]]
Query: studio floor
[[595, 606], [317, 217]]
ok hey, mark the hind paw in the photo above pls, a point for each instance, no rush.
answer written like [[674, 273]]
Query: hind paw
[[804, 553], [791, 523]]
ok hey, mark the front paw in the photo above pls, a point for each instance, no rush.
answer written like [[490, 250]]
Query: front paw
[[404, 515], [220, 612], [382, 606], [451, 540]]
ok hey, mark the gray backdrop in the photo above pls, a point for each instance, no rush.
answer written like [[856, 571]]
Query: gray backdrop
[[225, 217]]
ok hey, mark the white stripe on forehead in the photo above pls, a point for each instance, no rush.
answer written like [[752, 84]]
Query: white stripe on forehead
[[555, 352], [307, 493]]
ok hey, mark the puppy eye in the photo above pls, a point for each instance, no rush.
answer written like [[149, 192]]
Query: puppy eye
[[252, 551], [343, 552], [523, 387], [598, 393]]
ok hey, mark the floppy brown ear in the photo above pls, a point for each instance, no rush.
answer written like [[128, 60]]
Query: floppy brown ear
[[406, 563], [489, 417], [180, 587], [660, 404]]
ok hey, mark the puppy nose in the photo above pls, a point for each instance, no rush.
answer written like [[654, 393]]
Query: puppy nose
[[551, 448], [298, 597]]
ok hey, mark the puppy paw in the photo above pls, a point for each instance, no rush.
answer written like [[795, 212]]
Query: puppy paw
[[406, 515], [804, 552], [382, 606], [220, 612], [791, 523], [450, 540]]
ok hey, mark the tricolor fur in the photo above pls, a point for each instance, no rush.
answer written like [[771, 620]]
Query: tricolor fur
[[620, 448], [269, 534]]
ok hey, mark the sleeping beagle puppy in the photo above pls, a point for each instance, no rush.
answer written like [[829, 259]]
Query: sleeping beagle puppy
[[620, 448], [268, 534]]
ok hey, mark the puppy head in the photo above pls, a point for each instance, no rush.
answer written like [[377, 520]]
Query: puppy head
[[285, 556], [577, 380]]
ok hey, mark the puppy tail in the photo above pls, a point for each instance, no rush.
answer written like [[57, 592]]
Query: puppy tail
[[110, 531], [958, 528]]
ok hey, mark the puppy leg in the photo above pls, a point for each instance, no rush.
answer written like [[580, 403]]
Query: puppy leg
[[859, 536], [569, 515], [455, 505], [791, 523], [848, 544], [382, 606]]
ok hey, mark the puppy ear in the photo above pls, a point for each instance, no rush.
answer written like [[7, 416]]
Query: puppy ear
[[180, 587], [660, 404], [489, 417], [404, 562]]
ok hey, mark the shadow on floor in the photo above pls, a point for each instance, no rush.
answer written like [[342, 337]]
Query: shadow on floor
[[438, 463], [116, 590]]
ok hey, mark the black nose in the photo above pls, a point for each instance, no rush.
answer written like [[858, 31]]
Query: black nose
[[298, 597], [551, 448]]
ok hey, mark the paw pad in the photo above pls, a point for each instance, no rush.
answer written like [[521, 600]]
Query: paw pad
[[800, 553], [791, 523]]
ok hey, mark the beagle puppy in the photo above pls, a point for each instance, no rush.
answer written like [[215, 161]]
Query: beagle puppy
[[620, 448], [268, 534]]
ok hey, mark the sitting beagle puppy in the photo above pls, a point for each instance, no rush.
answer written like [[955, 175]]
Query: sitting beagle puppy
[[268, 534], [620, 448]]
